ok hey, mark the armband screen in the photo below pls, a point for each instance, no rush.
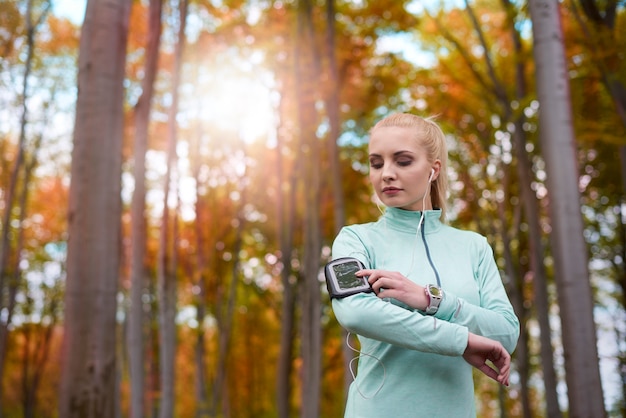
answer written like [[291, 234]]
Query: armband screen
[[341, 279]]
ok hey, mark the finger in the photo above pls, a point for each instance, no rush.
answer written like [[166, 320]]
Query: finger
[[374, 272], [506, 372], [373, 278], [370, 274], [489, 371], [504, 367], [376, 277], [502, 359], [379, 284], [503, 378]]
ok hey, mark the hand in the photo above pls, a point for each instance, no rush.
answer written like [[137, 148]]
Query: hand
[[391, 284], [480, 349]]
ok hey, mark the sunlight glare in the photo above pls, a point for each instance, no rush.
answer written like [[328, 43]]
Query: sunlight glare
[[241, 102]]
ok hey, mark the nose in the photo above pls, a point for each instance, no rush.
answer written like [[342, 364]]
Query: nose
[[388, 172]]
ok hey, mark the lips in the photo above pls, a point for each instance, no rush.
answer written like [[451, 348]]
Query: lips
[[391, 190]]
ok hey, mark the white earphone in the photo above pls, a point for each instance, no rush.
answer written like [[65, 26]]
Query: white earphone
[[432, 173]]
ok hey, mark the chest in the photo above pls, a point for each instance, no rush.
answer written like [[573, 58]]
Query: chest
[[424, 260]]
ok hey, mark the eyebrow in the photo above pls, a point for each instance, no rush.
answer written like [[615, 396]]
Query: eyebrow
[[395, 154]]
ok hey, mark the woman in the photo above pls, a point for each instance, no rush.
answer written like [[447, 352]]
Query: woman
[[438, 306]]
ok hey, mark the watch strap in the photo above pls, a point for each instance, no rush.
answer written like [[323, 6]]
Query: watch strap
[[433, 300]]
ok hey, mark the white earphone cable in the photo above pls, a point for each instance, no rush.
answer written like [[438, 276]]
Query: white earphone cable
[[360, 354]]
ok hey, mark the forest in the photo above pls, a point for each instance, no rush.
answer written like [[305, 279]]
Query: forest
[[173, 174]]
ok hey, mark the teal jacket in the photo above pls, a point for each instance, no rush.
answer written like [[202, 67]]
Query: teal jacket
[[410, 363]]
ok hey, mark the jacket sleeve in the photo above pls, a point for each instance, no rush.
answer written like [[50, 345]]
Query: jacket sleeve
[[494, 317], [367, 315]]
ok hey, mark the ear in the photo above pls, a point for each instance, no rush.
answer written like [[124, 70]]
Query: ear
[[435, 171]]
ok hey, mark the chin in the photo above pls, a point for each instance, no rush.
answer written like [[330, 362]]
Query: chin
[[391, 204]]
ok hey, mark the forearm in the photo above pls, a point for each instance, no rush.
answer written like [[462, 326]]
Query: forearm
[[498, 321], [371, 317]]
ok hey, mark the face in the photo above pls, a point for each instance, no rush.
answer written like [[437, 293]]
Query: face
[[399, 168]]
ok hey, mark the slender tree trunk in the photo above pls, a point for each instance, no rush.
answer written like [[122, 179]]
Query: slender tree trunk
[[27, 395], [537, 250], [41, 349], [167, 247], [515, 289], [166, 279], [154, 354], [136, 329], [531, 211], [202, 399], [568, 245], [621, 269], [39, 353], [332, 103], [286, 212], [88, 387], [607, 59], [336, 181], [307, 67], [226, 320], [7, 290]]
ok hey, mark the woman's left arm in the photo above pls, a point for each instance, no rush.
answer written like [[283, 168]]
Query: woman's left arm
[[494, 316]]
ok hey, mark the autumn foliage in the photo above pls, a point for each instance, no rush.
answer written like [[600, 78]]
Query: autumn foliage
[[249, 233]]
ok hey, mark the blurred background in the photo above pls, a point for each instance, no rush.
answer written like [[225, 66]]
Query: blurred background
[[242, 151]]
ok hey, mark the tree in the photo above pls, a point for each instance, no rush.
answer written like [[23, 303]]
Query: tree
[[139, 235], [307, 67], [568, 244], [167, 260], [531, 209], [334, 121], [22, 169], [88, 385]]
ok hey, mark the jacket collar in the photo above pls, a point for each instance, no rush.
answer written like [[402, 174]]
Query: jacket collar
[[407, 220]]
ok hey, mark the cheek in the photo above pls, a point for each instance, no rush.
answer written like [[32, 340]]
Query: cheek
[[373, 178]]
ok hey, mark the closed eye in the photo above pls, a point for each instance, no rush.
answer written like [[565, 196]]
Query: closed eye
[[376, 163]]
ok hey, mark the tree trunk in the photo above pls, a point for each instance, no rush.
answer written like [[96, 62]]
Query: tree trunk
[[537, 250], [334, 121], [38, 353], [202, 399], [88, 387], [286, 212], [531, 211], [307, 65], [166, 270], [138, 279], [225, 323], [609, 62], [568, 244], [153, 353], [8, 290]]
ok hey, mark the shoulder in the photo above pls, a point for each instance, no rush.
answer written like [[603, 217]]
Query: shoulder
[[358, 229], [354, 241], [352, 233]]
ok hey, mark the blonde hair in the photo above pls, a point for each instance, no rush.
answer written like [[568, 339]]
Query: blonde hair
[[431, 138]]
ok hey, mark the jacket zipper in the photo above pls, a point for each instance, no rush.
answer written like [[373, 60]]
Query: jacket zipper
[[430, 260]]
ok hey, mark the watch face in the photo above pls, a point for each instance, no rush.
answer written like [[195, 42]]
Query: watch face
[[435, 291]]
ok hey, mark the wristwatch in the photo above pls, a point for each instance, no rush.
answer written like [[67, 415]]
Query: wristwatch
[[435, 295]]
